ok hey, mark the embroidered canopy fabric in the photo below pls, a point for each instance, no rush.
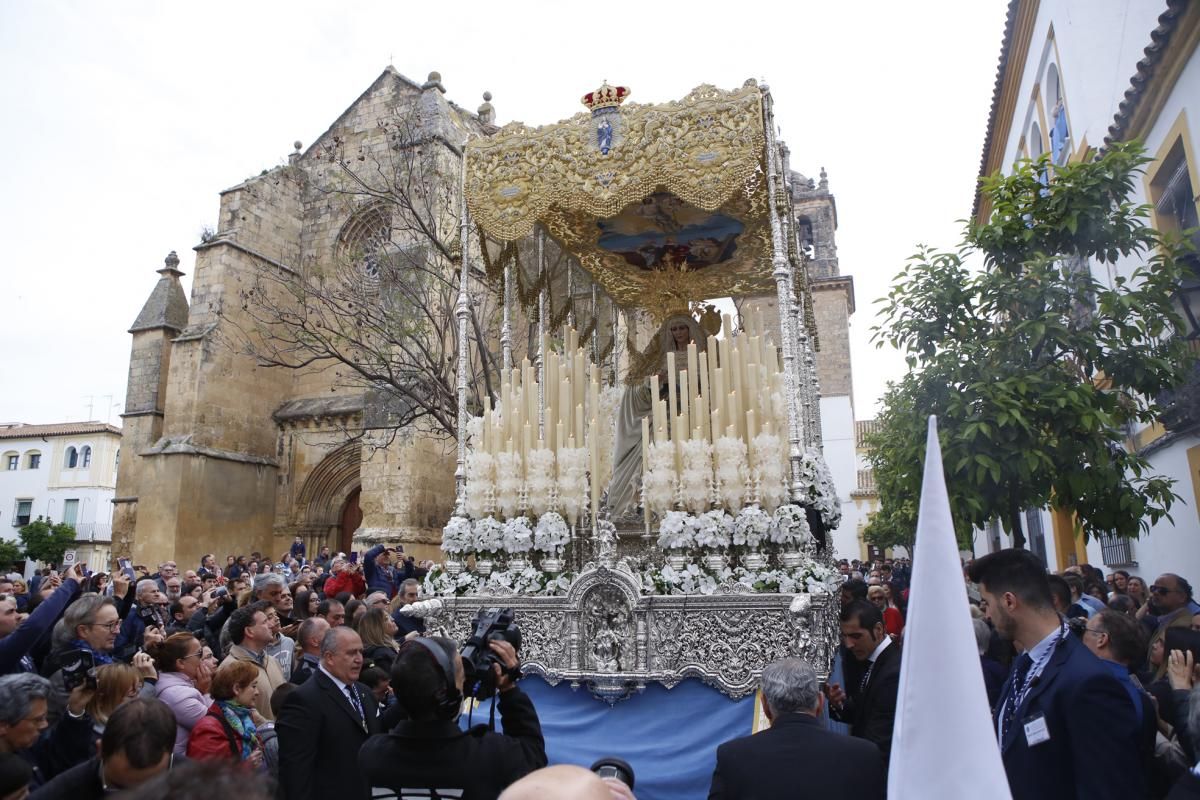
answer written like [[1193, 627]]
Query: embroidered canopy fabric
[[662, 204]]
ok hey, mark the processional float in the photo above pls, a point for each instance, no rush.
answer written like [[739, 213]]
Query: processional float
[[648, 492]]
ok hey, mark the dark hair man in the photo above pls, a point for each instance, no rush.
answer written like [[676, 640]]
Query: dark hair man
[[323, 724], [24, 710], [769, 764], [1065, 725], [870, 705], [251, 633], [408, 627], [333, 612], [135, 747], [428, 754]]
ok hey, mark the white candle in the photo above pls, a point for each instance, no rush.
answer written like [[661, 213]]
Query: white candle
[[685, 418], [671, 391], [692, 382]]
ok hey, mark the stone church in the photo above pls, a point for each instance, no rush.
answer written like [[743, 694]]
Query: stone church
[[226, 456]]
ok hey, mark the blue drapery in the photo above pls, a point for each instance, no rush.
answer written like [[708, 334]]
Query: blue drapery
[[669, 736]]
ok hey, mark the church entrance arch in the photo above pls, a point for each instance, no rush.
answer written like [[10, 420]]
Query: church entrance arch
[[351, 520], [328, 500]]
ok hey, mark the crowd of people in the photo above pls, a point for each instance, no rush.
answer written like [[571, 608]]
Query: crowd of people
[[289, 671]]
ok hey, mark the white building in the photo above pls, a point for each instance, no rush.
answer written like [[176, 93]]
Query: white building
[[66, 473], [1074, 75]]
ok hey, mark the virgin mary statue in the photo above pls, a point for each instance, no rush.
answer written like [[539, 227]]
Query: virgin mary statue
[[674, 336]]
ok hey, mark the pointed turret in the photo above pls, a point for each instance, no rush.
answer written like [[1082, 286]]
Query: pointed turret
[[167, 306]]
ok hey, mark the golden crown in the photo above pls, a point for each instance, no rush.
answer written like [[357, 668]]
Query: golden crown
[[605, 97]]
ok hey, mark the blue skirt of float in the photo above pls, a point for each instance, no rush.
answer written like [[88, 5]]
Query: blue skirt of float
[[669, 736]]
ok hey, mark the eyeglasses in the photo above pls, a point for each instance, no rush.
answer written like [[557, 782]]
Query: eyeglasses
[[197, 654], [1160, 590], [110, 626], [1096, 631]]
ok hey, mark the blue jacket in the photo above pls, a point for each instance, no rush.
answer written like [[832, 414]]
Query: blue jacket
[[380, 580], [15, 646], [1093, 748]]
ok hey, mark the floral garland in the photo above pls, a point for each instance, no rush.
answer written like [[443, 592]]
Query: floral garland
[[508, 483], [539, 484], [822, 495], [731, 470], [658, 482], [695, 480], [812, 578], [529, 581], [572, 480]]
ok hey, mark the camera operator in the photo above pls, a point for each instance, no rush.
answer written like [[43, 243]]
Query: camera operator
[[428, 752], [147, 613], [210, 616]]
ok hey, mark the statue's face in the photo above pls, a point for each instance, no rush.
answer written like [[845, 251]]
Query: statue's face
[[681, 333]]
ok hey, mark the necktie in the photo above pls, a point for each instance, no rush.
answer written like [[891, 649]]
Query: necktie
[[862, 685], [1020, 670], [357, 705]]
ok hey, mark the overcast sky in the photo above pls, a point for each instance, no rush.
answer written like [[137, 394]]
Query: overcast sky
[[123, 120]]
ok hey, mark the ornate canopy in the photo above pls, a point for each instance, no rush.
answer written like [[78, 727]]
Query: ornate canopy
[[662, 204]]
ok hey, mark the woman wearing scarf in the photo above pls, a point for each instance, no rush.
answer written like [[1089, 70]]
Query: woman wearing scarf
[[230, 728], [184, 678]]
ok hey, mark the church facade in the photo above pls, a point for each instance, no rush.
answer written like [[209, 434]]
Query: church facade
[[226, 455]]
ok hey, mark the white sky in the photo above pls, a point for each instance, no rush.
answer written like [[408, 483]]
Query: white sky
[[123, 120]]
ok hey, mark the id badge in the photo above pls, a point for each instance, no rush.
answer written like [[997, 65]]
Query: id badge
[[1036, 730]]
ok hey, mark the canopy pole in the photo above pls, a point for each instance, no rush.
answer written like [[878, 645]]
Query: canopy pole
[[782, 273], [543, 297], [462, 311]]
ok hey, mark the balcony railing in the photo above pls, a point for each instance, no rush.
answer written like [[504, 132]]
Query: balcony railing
[[1116, 551], [93, 532], [1181, 406]]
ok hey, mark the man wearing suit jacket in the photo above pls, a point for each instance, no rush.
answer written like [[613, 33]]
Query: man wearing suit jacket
[[869, 707], [764, 766], [1067, 728], [323, 724]]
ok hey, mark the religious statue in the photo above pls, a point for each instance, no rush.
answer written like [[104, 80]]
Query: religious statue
[[674, 336]]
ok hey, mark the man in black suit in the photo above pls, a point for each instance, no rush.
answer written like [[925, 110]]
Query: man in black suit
[[428, 754], [764, 766], [870, 705], [324, 722], [1067, 728]]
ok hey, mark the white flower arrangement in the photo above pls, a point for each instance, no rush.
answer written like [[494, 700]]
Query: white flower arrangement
[[677, 531], [572, 480], [480, 472], [820, 579], [822, 495], [789, 526], [456, 536], [539, 483], [488, 535], [714, 530], [552, 533], [508, 483], [659, 479], [695, 480], [518, 535], [731, 470], [750, 527], [440, 583]]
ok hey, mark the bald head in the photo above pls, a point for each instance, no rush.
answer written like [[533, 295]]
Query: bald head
[[560, 782]]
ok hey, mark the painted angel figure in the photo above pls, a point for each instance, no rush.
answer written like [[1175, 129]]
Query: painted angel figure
[[674, 336]]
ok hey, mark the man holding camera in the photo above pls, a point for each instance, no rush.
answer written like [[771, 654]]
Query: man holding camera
[[429, 754], [147, 613]]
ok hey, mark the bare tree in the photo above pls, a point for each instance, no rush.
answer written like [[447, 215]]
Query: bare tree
[[380, 314]]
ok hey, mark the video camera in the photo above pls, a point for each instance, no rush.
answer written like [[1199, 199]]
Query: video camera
[[491, 624]]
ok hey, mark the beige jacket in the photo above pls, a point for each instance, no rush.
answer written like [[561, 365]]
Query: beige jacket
[[270, 675]]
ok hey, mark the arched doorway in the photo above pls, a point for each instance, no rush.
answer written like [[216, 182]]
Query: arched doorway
[[328, 501], [351, 519]]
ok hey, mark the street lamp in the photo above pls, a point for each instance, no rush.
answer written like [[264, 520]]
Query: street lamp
[[1186, 300]]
